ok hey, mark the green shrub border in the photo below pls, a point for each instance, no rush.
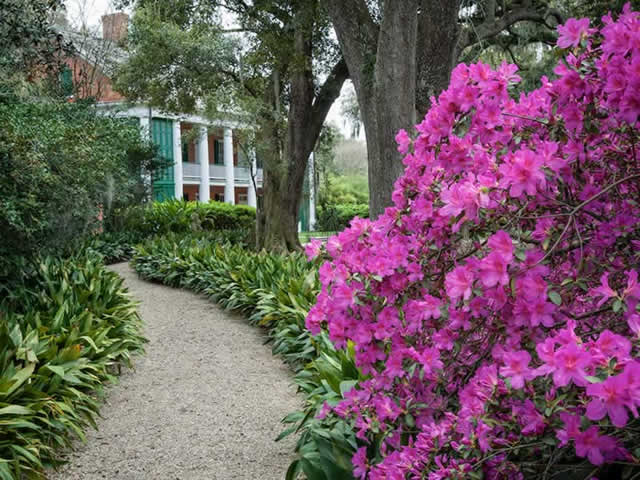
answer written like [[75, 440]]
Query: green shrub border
[[64, 332]]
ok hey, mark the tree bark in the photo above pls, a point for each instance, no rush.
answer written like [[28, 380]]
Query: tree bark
[[397, 66], [395, 96], [437, 50], [286, 164]]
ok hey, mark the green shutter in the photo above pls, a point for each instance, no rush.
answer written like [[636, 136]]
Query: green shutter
[[303, 213], [66, 81], [163, 181]]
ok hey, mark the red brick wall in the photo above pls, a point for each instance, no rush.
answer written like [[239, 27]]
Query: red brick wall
[[90, 81]]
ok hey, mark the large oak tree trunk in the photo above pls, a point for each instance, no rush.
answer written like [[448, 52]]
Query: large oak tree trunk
[[437, 50], [286, 162], [395, 67], [395, 94]]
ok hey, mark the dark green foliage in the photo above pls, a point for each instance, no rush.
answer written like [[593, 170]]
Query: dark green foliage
[[63, 333], [28, 38], [111, 247], [214, 222], [175, 216], [59, 162], [275, 292], [334, 218]]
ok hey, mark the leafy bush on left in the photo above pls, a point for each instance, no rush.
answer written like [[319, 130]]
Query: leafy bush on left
[[64, 333]]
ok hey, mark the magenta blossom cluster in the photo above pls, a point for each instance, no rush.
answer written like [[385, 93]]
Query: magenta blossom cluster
[[494, 306]]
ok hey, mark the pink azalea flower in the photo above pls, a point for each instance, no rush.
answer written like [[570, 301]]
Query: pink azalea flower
[[530, 419], [572, 32], [501, 243], [386, 408], [459, 283], [312, 249], [613, 345], [403, 140], [516, 367], [604, 290], [570, 363], [360, 463], [593, 446], [634, 323], [430, 360], [523, 173], [571, 428], [493, 269], [609, 397], [632, 291]]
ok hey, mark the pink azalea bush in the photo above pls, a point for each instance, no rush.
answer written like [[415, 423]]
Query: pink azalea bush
[[494, 305]]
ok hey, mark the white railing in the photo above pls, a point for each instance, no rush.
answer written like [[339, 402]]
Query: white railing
[[191, 171]]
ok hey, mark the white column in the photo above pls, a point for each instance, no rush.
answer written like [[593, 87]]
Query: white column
[[312, 193], [203, 158], [145, 125], [252, 196], [177, 159], [229, 174]]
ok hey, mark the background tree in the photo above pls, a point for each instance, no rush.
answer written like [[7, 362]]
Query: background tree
[[350, 110], [30, 46], [270, 77], [400, 53], [61, 163]]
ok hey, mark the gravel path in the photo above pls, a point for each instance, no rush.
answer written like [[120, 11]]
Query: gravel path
[[205, 402]]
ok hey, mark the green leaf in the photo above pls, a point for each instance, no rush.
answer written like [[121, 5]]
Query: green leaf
[[15, 410], [617, 305], [555, 297], [57, 370], [293, 471], [20, 377]]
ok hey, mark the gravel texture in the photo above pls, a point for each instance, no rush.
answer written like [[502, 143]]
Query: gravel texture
[[205, 402]]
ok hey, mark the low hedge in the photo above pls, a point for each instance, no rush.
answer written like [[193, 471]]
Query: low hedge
[[274, 292], [64, 332], [175, 216], [335, 218]]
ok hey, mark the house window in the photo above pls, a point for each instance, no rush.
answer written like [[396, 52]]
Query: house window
[[185, 152], [66, 81], [218, 197], [217, 153], [243, 199], [185, 196]]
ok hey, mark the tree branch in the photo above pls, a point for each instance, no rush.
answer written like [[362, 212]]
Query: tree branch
[[493, 26], [328, 93]]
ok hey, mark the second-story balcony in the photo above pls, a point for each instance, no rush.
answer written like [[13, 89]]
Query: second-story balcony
[[191, 173]]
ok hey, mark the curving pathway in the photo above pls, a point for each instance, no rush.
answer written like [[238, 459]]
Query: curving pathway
[[205, 402]]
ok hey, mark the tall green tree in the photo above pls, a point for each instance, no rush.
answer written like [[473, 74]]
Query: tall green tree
[[30, 43], [401, 52], [282, 74]]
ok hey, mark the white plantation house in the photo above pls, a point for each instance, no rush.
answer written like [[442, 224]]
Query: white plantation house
[[207, 160]]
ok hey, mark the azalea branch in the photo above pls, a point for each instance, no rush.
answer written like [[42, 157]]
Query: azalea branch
[[591, 313], [603, 191], [524, 117], [557, 242]]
